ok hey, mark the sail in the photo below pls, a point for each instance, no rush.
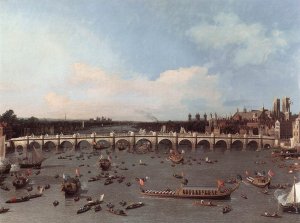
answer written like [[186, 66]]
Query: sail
[[36, 156], [291, 196]]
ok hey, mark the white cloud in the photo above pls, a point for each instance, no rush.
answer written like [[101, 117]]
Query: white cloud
[[110, 95], [251, 44]]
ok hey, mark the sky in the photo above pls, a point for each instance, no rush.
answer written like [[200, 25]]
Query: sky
[[145, 60]]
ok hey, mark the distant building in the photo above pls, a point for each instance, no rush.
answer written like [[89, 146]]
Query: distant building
[[286, 102], [295, 141], [276, 108]]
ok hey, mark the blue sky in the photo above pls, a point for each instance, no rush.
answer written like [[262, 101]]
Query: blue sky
[[130, 60]]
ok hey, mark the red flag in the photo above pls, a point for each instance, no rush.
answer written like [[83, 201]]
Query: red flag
[[246, 172], [221, 183], [271, 173], [141, 182], [77, 172]]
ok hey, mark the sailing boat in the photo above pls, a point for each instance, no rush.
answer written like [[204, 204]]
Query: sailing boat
[[4, 163], [35, 161], [292, 204]]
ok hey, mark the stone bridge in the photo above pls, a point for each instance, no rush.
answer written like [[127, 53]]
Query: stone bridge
[[196, 141]]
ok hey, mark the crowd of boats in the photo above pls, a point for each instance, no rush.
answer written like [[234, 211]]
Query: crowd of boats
[[71, 185]]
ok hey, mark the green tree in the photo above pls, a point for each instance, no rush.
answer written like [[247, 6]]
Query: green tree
[[9, 117]]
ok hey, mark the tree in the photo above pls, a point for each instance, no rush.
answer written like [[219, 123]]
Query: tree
[[9, 117]]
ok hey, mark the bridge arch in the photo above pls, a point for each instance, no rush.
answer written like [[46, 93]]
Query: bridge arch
[[66, 145], [203, 146], [122, 144], [267, 146], [237, 145], [143, 145], [19, 149], [83, 145], [165, 145], [103, 144], [185, 144], [252, 145], [220, 146], [49, 147], [32, 145]]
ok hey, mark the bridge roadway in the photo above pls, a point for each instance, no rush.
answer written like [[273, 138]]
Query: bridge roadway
[[197, 140]]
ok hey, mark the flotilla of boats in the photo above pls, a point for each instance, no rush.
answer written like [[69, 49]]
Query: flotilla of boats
[[72, 185]]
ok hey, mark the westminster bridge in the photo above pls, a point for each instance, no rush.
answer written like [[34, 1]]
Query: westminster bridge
[[153, 139]]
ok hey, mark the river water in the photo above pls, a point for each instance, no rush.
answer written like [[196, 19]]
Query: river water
[[159, 173]]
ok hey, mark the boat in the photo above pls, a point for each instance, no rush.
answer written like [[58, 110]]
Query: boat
[[108, 181], [259, 181], [3, 210], [36, 195], [55, 203], [292, 203], [176, 157], [98, 208], [117, 212], [20, 182], [197, 192], [4, 163], [100, 146], [122, 203], [18, 200], [104, 163], [244, 196], [274, 215], [15, 168], [204, 203], [35, 161], [70, 185], [83, 209], [177, 176], [226, 209], [135, 205]]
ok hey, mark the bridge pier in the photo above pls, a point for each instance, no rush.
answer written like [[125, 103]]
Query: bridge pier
[[194, 142], [245, 142]]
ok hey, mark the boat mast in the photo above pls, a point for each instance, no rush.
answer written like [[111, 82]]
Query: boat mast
[[294, 190]]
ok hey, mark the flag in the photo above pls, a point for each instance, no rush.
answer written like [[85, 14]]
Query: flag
[[246, 172], [221, 183], [141, 182], [77, 172], [271, 173]]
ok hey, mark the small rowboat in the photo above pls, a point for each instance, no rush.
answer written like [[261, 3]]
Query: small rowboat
[[3, 210], [117, 212], [83, 209], [226, 209], [135, 205], [18, 200], [244, 196], [204, 203], [274, 215]]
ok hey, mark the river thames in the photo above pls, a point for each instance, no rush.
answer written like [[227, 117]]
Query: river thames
[[159, 171]]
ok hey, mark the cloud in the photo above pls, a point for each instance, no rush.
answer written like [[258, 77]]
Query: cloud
[[56, 101], [250, 43], [111, 95]]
